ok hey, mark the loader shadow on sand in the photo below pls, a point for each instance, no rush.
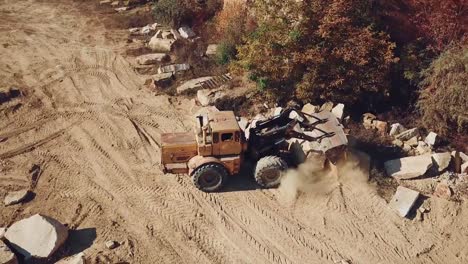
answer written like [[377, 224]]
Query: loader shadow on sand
[[79, 240]]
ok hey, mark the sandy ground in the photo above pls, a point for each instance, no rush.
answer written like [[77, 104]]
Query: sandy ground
[[85, 139]]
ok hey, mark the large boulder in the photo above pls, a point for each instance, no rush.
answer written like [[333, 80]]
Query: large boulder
[[194, 84], [338, 111], [403, 200], [161, 45], [160, 80], [310, 109], [396, 129], [16, 197], [409, 167], [208, 97], [152, 58], [37, 236], [211, 50], [6, 256], [431, 139]]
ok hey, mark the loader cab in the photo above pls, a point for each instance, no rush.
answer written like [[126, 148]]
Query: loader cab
[[219, 134]]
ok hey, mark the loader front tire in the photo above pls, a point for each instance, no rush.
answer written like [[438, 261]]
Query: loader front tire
[[269, 170], [210, 177]]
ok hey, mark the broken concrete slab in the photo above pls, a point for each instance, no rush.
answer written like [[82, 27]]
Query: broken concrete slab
[[443, 190], [441, 160], [431, 139], [207, 97], [122, 9], [277, 111], [152, 58], [75, 259], [463, 156], [211, 50], [174, 68], [310, 109], [16, 197], [409, 167], [186, 32], [176, 34], [193, 84], [160, 80], [6, 255], [398, 143], [403, 200], [328, 106], [338, 111], [413, 142], [423, 148], [407, 134], [37, 236], [396, 129], [161, 45]]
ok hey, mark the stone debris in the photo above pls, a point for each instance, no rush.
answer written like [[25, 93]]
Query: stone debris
[[115, 3], [338, 111], [167, 34], [193, 84], [6, 255], [398, 143], [403, 200], [122, 9], [463, 156], [277, 111], [407, 134], [381, 126], [443, 190], [159, 44], [464, 167], [243, 123], [310, 109], [105, 2], [208, 97], [367, 120], [413, 142], [431, 139], [176, 34], [328, 106], [211, 50], [152, 58], [396, 129], [441, 160], [423, 148], [186, 32], [174, 68], [111, 244], [160, 80], [409, 167], [37, 236], [16, 197], [75, 259]]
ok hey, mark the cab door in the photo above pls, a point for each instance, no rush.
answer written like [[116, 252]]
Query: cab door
[[230, 143], [216, 144]]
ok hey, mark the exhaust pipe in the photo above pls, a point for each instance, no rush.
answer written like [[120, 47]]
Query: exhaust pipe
[[200, 120]]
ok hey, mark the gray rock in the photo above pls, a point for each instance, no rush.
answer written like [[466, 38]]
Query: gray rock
[[37, 236], [186, 32], [105, 2], [338, 111], [431, 139], [463, 156], [208, 97], [6, 256], [176, 34], [464, 168], [328, 106], [441, 160], [277, 111], [111, 244], [122, 9], [174, 68], [152, 58], [243, 123], [409, 167], [407, 134], [16, 197], [442, 190], [381, 126], [367, 120], [403, 200], [211, 50], [134, 31], [75, 259], [159, 44], [396, 129], [398, 143]]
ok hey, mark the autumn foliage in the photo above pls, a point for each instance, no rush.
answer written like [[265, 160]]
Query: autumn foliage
[[318, 50]]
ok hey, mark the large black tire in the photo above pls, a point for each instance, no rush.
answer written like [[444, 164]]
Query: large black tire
[[210, 177], [269, 170]]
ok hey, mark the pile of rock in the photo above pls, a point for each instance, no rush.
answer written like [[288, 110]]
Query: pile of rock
[[146, 30]]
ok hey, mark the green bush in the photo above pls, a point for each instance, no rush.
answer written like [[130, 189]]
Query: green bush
[[225, 53], [172, 12], [444, 91]]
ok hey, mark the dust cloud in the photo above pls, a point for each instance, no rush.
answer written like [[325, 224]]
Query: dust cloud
[[319, 177]]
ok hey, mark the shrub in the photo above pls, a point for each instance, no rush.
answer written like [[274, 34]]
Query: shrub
[[172, 12], [443, 101], [319, 50], [225, 53]]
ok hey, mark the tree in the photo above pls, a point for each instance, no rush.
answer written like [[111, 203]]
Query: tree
[[324, 49], [443, 102]]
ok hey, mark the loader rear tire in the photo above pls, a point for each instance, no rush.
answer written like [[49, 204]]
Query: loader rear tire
[[210, 177], [269, 170]]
